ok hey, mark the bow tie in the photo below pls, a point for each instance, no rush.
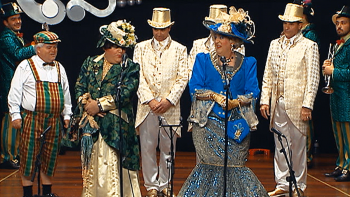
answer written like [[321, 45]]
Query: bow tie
[[49, 64], [340, 41], [20, 35]]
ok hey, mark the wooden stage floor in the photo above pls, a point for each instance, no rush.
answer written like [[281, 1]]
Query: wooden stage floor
[[68, 182]]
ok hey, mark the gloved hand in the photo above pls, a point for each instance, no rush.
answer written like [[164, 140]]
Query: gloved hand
[[219, 98], [233, 103]]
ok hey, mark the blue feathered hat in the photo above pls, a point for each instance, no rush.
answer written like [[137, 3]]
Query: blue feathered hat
[[236, 24]]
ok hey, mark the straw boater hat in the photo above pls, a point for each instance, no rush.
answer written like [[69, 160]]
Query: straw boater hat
[[292, 13], [10, 9], [235, 24], [120, 33], [214, 12], [46, 37], [345, 11], [160, 18]]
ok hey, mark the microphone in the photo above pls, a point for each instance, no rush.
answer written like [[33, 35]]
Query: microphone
[[160, 121], [123, 65], [277, 132], [124, 60], [46, 130], [224, 64], [223, 60]]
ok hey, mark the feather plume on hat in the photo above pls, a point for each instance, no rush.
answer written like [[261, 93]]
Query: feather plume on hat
[[235, 24]]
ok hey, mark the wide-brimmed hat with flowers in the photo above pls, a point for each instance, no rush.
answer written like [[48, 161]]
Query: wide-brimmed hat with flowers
[[345, 11], [160, 18], [121, 33], [235, 24]]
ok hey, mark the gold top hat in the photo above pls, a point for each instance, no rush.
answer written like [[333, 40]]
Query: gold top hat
[[214, 12], [292, 13], [160, 18]]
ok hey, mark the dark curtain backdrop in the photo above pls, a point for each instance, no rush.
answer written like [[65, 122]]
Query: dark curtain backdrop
[[79, 41]]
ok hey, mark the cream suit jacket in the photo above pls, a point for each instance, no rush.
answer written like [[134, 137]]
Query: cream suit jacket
[[198, 46], [161, 77], [301, 79]]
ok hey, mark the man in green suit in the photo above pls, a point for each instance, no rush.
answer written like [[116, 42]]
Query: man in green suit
[[110, 132], [339, 70], [12, 51]]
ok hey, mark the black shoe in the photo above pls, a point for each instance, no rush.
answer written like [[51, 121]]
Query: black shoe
[[47, 195], [12, 164], [51, 195], [345, 176], [337, 172]]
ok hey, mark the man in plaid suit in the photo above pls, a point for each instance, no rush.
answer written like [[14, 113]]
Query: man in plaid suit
[[40, 86]]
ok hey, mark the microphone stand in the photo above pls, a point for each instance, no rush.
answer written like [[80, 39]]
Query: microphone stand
[[37, 159], [172, 154], [227, 88], [291, 178], [118, 96]]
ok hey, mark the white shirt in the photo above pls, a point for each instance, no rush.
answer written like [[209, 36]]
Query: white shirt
[[23, 91], [159, 46]]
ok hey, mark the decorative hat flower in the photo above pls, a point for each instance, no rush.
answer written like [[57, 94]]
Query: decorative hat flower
[[121, 33], [235, 24]]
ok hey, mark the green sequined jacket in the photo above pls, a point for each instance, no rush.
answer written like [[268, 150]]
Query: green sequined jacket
[[12, 52], [310, 33], [90, 81], [340, 82]]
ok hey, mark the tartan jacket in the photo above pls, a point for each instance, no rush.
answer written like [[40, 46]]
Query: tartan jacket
[[164, 77], [90, 81], [12, 52], [301, 79], [340, 82]]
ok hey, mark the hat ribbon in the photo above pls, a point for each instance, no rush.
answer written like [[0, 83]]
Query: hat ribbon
[[233, 30]]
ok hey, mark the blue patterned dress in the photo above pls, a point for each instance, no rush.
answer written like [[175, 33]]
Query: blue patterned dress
[[207, 117]]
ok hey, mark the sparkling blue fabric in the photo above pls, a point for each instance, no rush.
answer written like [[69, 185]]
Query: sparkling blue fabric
[[310, 33], [12, 52], [340, 82], [206, 179]]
